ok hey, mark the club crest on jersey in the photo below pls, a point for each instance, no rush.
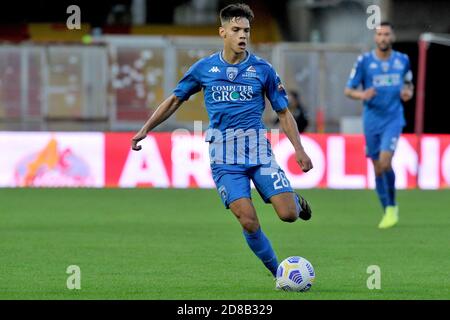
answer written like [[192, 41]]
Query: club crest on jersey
[[232, 73]]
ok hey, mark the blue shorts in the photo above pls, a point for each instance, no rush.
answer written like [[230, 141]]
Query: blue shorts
[[233, 181], [383, 141]]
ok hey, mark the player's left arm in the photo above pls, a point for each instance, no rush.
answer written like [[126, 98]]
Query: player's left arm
[[408, 88], [277, 96], [289, 126], [407, 91]]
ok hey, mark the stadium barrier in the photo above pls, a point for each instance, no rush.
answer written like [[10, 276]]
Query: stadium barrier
[[168, 160], [116, 81]]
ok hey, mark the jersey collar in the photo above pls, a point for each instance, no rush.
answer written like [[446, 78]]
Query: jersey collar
[[238, 64], [374, 55]]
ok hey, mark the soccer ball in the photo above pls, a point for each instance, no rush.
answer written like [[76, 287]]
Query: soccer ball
[[295, 274]]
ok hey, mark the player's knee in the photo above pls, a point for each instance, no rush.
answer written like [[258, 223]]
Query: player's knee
[[250, 225], [385, 166], [381, 168], [378, 171], [249, 222]]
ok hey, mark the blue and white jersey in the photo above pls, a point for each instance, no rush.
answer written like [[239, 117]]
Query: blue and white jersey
[[234, 94], [387, 77]]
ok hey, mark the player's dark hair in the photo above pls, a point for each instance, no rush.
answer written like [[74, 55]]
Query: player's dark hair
[[387, 24], [295, 94], [236, 10]]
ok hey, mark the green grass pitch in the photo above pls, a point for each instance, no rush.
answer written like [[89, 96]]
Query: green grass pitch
[[182, 244]]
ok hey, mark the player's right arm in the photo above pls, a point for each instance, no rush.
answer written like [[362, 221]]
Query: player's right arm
[[355, 79], [187, 86], [360, 94], [164, 111]]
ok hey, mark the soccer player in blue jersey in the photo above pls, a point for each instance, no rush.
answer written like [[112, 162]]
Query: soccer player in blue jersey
[[235, 83], [386, 80]]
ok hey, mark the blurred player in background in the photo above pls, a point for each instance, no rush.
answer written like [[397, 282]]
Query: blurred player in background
[[386, 80], [234, 83], [298, 111]]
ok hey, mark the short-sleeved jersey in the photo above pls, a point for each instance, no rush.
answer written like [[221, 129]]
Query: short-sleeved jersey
[[387, 77], [234, 94]]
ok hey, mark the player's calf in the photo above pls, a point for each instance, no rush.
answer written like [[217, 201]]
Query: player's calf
[[288, 216], [285, 207], [383, 163], [290, 206]]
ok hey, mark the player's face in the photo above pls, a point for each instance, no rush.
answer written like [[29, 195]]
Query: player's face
[[384, 37], [236, 34]]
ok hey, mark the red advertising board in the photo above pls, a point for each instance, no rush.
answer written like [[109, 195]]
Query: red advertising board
[[181, 161], [174, 160]]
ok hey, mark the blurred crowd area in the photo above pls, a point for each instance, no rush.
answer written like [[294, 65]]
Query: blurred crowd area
[[112, 73]]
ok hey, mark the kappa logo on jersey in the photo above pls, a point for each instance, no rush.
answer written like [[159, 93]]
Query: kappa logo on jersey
[[232, 73], [373, 65], [214, 69], [250, 72]]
